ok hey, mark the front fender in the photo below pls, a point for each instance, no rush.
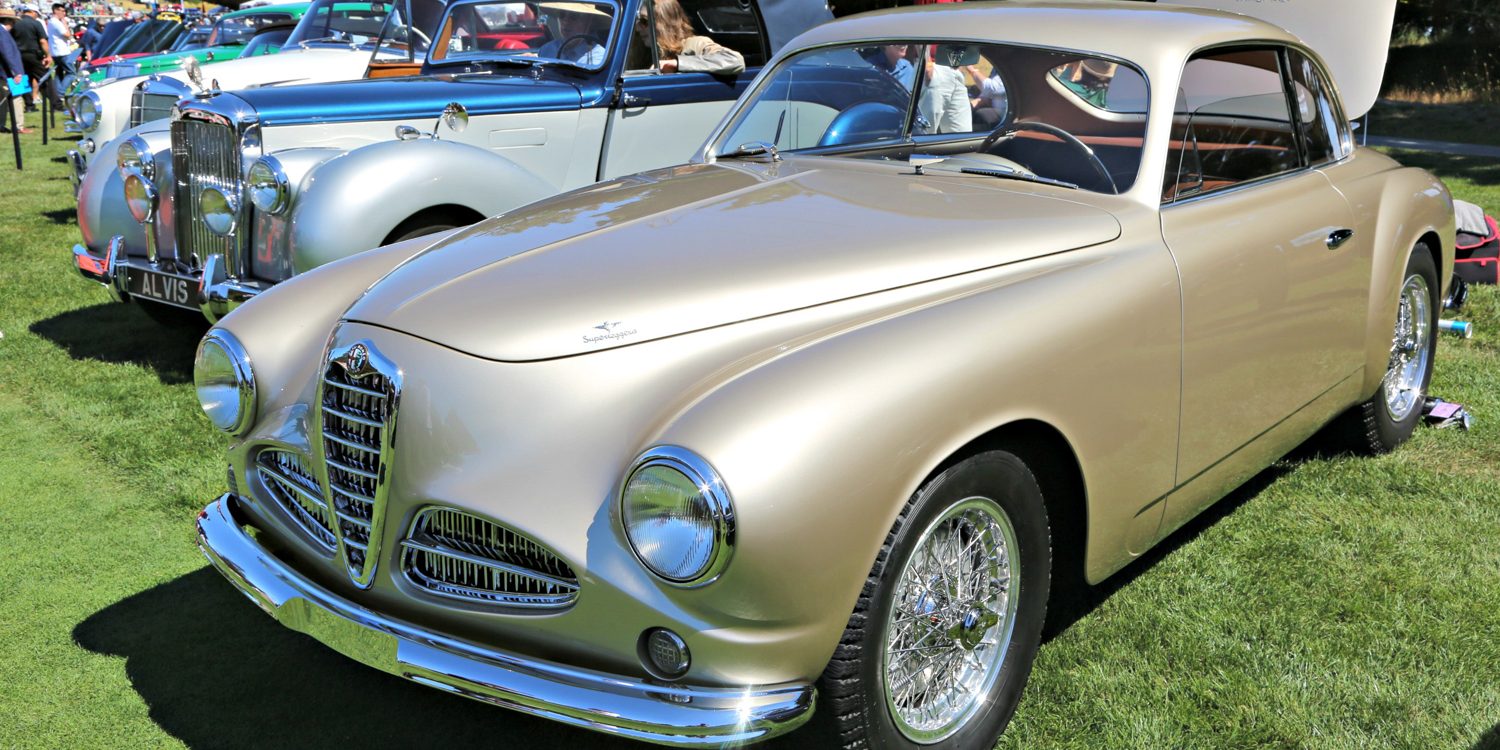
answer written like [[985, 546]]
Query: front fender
[[351, 203], [101, 204]]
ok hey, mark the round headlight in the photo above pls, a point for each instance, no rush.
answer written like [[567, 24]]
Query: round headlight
[[267, 186], [225, 382], [140, 196], [127, 156], [678, 516], [88, 111], [220, 209]]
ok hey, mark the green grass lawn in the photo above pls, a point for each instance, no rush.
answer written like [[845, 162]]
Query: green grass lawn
[[1332, 603]]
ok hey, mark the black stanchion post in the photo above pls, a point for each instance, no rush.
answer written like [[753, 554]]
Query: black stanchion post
[[46, 110], [43, 85], [15, 125]]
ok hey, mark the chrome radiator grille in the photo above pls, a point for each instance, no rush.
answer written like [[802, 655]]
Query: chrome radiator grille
[[204, 154], [146, 107], [455, 554], [357, 405], [291, 483]]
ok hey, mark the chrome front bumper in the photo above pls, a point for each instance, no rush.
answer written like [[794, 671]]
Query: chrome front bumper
[[215, 298], [678, 715]]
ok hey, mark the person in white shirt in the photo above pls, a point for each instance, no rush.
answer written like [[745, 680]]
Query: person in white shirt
[[60, 40]]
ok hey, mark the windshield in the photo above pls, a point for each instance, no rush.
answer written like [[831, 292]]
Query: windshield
[[193, 39], [1008, 111], [239, 29], [340, 23], [267, 41], [575, 33]]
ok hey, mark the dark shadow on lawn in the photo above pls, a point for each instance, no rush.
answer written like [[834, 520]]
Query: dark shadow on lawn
[[1489, 740], [217, 672], [1073, 601], [1476, 169], [123, 333], [59, 160], [62, 215]]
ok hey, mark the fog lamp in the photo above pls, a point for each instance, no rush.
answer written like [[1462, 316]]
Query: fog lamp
[[140, 196], [664, 653], [219, 209]]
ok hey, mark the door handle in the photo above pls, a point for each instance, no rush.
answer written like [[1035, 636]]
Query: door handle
[[632, 101], [1338, 237]]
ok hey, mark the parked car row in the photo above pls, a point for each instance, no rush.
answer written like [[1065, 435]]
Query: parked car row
[[668, 368]]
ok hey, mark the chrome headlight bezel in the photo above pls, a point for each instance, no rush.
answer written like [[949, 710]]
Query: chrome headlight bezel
[[222, 363], [220, 210], [135, 154], [88, 111], [140, 196], [267, 185], [711, 492]]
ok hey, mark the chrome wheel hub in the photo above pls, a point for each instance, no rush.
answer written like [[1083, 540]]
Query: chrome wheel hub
[[1410, 354], [951, 620]]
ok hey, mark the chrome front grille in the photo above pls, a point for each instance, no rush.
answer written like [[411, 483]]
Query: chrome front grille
[[357, 407], [290, 481], [146, 107], [456, 554], [204, 154]]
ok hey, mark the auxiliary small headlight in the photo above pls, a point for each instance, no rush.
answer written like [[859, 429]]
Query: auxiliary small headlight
[[678, 516], [225, 381], [220, 210], [267, 185], [88, 111], [127, 156], [140, 196]]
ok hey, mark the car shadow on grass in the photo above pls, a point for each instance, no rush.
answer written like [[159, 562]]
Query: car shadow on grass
[[217, 672], [1489, 740], [62, 216], [1073, 601], [124, 334]]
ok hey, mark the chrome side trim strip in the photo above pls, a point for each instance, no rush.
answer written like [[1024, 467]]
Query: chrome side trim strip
[[676, 715]]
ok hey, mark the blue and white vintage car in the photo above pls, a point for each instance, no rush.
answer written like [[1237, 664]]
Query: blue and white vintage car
[[517, 102]]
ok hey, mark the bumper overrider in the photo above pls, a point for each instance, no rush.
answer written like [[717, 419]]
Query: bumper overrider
[[669, 714], [165, 282]]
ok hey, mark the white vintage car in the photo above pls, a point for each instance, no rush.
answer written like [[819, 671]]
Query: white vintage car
[[336, 40], [248, 188]]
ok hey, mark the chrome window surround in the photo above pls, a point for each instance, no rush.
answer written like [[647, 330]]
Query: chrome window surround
[[357, 403], [244, 375], [707, 480], [459, 555], [289, 479]]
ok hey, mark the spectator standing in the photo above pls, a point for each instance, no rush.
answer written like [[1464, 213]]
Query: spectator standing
[[31, 37], [60, 40], [11, 65]]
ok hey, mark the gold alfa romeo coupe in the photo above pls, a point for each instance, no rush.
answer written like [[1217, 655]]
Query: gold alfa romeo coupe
[[958, 302]]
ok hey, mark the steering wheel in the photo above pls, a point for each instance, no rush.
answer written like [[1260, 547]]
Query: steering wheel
[[562, 49], [1008, 130]]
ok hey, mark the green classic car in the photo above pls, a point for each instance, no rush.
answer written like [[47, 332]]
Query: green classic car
[[229, 39]]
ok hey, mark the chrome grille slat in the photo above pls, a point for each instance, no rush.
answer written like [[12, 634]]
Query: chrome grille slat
[[355, 417], [291, 483], [463, 556], [204, 154]]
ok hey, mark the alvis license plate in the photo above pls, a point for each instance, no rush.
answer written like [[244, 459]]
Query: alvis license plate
[[178, 291]]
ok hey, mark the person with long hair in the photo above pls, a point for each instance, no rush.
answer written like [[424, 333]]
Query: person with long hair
[[681, 49]]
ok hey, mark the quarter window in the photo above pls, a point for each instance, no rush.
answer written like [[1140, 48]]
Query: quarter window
[[1231, 125], [1318, 122]]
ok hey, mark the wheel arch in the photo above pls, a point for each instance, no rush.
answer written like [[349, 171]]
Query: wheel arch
[[444, 213]]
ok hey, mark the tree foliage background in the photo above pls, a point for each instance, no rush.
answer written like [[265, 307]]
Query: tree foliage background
[[1447, 18]]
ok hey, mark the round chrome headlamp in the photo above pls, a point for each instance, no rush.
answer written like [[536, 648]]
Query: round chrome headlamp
[[219, 209], [135, 154], [225, 381], [140, 196], [88, 111], [678, 516], [267, 186]]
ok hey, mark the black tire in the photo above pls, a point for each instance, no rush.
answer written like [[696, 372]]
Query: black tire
[[852, 687], [1370, 427], [427, 222], [174, 317]]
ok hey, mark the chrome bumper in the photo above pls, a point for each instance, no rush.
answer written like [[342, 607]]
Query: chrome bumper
[[683, 716], [215, 299]]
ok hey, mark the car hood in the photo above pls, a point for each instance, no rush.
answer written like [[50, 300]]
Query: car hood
[[292, 65], [698, 246], [406, 98]]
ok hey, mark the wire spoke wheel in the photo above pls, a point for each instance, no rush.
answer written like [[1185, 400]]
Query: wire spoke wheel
[[1411, 356], [951, 620]]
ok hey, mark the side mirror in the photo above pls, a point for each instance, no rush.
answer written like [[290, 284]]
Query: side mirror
[[455, 117]]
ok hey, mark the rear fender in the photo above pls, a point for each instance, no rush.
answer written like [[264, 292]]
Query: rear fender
[[351, 203]]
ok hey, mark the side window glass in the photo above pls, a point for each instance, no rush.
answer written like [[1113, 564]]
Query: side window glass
[[1103, 85], [640, 55], [1317, 118], [1231, 124]]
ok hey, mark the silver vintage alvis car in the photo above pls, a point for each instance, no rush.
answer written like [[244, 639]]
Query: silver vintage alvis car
[[957, 303]]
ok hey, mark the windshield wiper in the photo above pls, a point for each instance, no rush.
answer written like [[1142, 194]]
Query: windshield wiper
[[1011, 174], [754, 148], [340, 39]]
